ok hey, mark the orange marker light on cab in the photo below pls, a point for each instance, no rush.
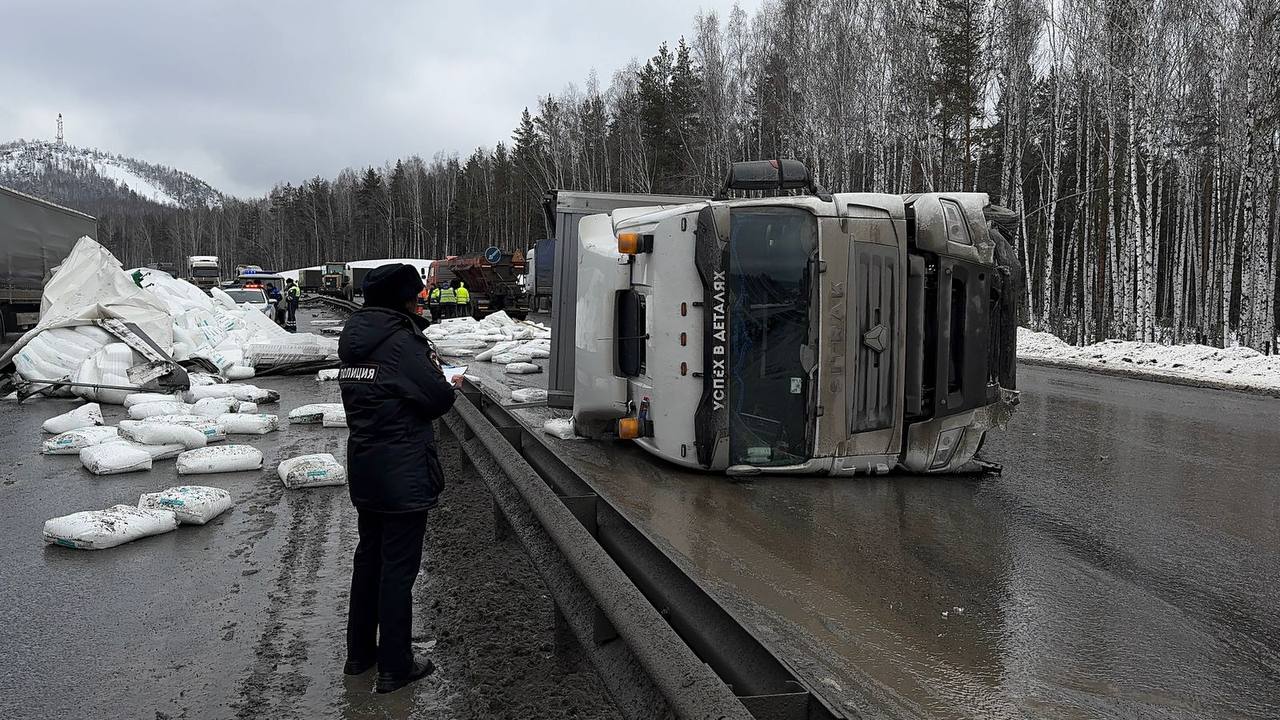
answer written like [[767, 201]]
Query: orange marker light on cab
[[630, 428]]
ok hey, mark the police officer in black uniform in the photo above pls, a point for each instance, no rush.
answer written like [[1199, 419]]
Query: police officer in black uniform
[[392, 389]]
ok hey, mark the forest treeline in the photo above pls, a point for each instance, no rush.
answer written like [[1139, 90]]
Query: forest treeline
[[1140, 141]]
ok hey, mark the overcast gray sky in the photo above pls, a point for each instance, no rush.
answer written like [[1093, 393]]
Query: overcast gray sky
[[245, 94]]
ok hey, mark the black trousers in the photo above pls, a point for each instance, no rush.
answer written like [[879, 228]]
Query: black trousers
[[292, 307], [380, 620]]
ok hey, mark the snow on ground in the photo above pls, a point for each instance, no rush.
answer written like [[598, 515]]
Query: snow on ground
[[1237, 366], [138, 184]]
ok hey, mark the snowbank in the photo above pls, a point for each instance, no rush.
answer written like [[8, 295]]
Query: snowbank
[[1230, 368]]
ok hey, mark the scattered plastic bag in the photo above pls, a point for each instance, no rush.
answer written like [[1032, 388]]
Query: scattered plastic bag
[[243, 424], [224, 458], [139, 398], [190, 504], [213, 432], [335, 419], [243, 393], [313, 413], [239, 372], [327, 375], [508, 358], [528, 395], [100, 529], [157, 433], [83, 416], [151, 409], [157, 452], [561, 428], [213, 407], [72, 442], [109, 365], [307, 471], [522, 368], [114, 458]]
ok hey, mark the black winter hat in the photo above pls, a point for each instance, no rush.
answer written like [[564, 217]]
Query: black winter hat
[[391, 286]]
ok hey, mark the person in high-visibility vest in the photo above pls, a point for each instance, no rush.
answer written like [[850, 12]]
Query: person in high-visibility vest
[[463, 299], [448, 301], [292, 294], [433, 303]]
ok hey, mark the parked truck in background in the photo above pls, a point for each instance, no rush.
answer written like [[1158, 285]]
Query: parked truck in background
[[333, 278], [35, 237], [310, 279], [492, 279], [203, 271], [812, 333]]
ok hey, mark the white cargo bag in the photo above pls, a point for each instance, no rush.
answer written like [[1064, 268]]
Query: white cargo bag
[[522, 368], [157, 452], [243, 393], [327, 375], [562, 429], [528, 395], [108, 366], [100, 529], [213, 407], [191, 504], [335, 419], [146, 410], [241, 424], [224, 458], [84, 416], [72, 442], [239, 372], [307, 471], [213, 432], [515, 356], [247, 408], [113, 458], [156, 433], [313, 413], [139, 398]]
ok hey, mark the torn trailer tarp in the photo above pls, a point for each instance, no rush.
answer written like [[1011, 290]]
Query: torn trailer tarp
[[91, 285]]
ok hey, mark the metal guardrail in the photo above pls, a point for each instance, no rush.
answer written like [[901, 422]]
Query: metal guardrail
[[661, 645]]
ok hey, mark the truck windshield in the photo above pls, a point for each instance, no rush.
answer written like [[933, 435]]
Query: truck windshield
[[769, 281]]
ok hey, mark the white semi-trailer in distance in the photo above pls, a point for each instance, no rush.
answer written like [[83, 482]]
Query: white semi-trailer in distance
[[804, 333], [203, 271]]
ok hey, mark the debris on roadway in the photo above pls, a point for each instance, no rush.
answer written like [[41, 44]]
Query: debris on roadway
[[242, 424], [101, 529], [190, 504], [311, 414], [220, 459], [114, 458], [83, 416], [72, 442], [308, 471]]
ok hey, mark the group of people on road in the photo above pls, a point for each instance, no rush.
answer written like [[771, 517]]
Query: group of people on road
[[449, 299], [285, 305]]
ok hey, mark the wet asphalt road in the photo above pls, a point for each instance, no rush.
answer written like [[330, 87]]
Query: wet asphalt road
[[1125, 565]]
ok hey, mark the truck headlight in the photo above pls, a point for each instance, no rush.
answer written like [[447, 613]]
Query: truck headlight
[[947, 442]]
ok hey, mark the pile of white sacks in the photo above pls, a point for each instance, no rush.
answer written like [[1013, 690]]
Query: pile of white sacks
[[91, 285], [496, 339]]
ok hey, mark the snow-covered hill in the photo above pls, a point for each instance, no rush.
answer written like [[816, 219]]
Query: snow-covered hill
[[78, 175]]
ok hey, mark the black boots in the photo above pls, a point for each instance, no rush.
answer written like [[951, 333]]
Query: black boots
[[358, 667], [388, 682]]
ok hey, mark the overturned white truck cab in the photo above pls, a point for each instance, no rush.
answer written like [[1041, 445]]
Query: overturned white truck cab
[[810, 334]]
